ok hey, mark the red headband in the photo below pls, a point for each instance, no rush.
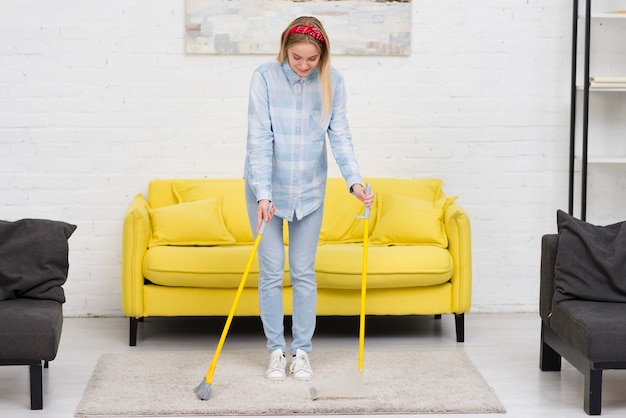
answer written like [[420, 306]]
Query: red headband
[[312, 31]]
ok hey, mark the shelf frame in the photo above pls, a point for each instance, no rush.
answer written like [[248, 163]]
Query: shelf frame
[[585, 19]]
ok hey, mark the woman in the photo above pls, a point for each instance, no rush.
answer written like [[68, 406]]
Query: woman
[[295, 102]]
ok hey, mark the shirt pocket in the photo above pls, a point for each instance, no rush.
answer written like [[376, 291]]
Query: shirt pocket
[[317, 127]]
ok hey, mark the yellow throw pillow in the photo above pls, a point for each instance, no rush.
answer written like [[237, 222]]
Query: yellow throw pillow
[[403, 220], [193, 223], [233, 200], [340, 223]]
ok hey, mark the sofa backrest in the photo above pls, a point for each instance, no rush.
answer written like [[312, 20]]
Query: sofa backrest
[[340, 223]]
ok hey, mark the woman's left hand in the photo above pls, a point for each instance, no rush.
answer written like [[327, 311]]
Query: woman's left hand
[[359, 192]]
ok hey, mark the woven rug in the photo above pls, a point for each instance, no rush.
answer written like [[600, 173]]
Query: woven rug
[[394, 382]]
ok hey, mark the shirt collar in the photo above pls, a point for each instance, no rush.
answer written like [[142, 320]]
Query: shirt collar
[[294, 78]]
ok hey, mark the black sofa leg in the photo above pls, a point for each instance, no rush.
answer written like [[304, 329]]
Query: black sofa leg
[[549, 359], [132, 338], [460, 327], [593, 392], [36, 386]]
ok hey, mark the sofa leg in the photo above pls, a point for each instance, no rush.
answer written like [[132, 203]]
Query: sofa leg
[[132, 337], [438, 316], [593, 392], [36, 386], [549, 359], [460, 327]]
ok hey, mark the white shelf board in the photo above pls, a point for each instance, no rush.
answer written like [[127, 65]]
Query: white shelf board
[[593, 88]]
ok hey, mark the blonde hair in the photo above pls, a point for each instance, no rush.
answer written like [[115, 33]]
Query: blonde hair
[[323, 46]]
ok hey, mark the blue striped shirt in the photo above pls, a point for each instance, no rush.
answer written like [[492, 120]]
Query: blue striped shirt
[[286, 157]]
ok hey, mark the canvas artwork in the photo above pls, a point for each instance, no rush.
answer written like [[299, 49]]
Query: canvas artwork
[[355, 27]]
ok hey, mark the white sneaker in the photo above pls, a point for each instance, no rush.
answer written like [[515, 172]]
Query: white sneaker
[[300, 368], [276, 368]]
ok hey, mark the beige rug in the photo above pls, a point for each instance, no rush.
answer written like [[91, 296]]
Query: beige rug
[[397, 382]]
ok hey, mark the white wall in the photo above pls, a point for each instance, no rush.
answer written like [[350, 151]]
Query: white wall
[[98, 97]]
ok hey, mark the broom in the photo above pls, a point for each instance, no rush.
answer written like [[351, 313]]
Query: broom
[[203, 390], [352, 386], [366, 218]]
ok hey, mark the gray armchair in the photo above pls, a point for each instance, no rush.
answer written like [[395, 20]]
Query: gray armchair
[[582, 302], [33, 267]]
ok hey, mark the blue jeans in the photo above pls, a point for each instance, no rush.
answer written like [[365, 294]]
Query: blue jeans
[[303, 238]]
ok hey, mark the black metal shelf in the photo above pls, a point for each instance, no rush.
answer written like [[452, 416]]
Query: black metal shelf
[[586, 89]]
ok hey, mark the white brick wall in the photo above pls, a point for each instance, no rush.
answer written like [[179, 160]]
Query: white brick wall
[[97, 98]]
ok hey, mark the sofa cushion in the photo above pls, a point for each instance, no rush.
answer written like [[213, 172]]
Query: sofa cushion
[[340, 223], [340, 266], [34, 258], [213, 267], [30, 329], [596, 329], [590, 261], [403, 220], [193, 223], [233, 203]]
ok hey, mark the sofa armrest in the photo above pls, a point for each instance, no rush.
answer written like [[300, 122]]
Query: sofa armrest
[[135, 238], [549, 245], [458, 230]]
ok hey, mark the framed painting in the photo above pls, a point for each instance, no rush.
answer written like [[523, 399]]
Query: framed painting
[[355, 27]]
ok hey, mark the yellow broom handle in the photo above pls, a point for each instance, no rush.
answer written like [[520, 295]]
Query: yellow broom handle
[[366, 216], [363, 294], [220, 344]]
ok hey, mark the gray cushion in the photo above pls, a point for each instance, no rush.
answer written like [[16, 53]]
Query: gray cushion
[[30, 329], [596, 329], [34, 258], [590, 261]]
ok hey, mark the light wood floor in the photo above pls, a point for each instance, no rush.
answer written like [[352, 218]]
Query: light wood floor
[[504, 347]]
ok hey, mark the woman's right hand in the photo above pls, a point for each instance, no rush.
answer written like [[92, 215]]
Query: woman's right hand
[[265, 212]]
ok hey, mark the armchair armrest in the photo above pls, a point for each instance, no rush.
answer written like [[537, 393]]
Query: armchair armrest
[[549, 245], [135, 238], [458, 230]]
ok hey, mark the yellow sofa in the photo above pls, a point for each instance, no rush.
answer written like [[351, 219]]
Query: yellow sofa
[[186, 245]]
